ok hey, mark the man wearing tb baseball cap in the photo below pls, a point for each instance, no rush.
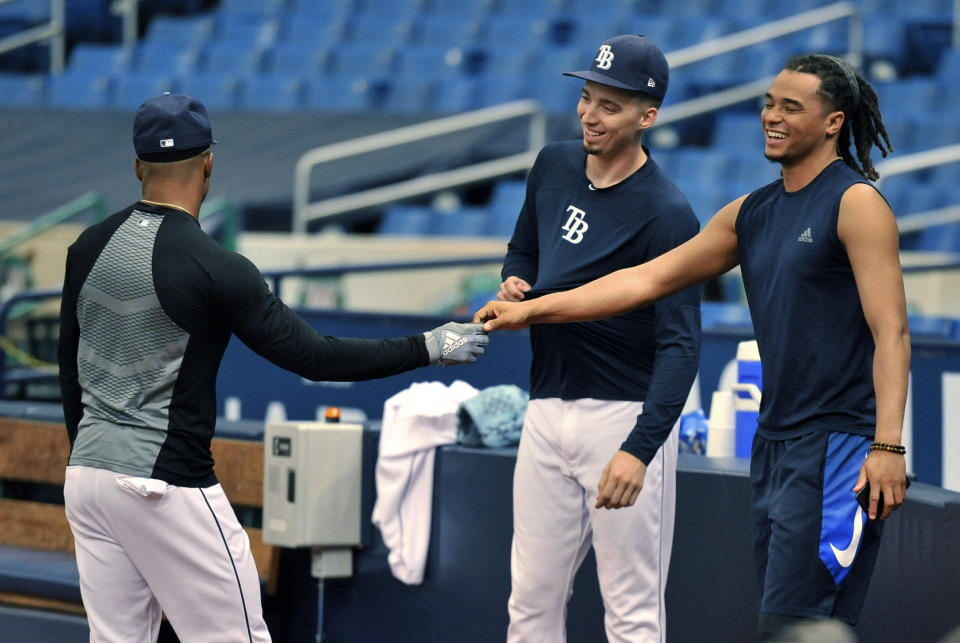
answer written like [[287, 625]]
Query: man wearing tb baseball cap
[[604, 439], [629, 62]]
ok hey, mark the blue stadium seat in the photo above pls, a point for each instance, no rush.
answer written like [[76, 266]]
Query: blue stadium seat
[[548, 63], [131, 89], [722, 70], [224, 56], [702, 164], [409, 95], [315, 26], [468, 221], [884, 40], [523, 9], [188, 32], [896, 189], [21, 90], [362, 59], [430, 61], [108, 59], [532, 30], [946, 175], [584, 36], [344, 93], [705, 199], [242, 32], [272, 92], [297, 57], [406, 220], [657, 27], [492, 90], [750, 167], [555, 95], [933, 130], [504, 206], [256, 9], [381, 27], [829, 38], [217, 91], [906, 98], [78, 90], [614, 12], [924, 197], [502, 62], [692, 30], [949, 66], [445, 29], [168, 57], [460, 9], [733, 130], [26, 12], [458, 94]]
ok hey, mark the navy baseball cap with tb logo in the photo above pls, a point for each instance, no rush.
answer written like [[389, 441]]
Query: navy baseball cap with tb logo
[[629, 62], [171, 127]]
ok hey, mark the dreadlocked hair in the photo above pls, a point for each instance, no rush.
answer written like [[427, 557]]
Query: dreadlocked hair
[[862, 116]]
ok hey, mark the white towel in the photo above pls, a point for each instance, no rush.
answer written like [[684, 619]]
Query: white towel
[[415, 422]]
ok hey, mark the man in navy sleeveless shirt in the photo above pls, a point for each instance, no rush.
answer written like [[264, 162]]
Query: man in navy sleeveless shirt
[[819, 253], [606, 395]]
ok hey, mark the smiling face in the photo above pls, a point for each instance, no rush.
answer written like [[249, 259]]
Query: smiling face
[[612, 119], [796, 123]]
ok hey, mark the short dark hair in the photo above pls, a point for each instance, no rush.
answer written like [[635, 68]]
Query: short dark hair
[[841, 88]]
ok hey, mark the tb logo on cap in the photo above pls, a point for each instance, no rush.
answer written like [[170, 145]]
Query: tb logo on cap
[[604, 57]]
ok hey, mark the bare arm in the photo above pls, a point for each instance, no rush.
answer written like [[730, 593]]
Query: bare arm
[[709, 254], [869, 232]]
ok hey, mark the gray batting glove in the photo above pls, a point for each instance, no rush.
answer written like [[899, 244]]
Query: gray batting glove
[[455, 343]]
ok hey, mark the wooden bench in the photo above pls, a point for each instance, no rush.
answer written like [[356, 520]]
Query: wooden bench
[[33, 524]]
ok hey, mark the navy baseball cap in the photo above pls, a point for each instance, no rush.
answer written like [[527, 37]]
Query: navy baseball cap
[[171, 127], [630, 62]]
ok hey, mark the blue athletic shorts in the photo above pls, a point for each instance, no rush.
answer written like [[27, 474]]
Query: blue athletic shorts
[[814, 548]]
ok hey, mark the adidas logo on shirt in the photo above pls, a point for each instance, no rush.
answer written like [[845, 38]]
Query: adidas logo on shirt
[[806, 237], [451, 342]]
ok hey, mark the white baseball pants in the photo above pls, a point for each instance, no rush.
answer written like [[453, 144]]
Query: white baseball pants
[[144, 546], [563, 449]]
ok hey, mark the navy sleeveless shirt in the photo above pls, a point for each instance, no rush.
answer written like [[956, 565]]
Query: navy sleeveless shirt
[[815, 345]]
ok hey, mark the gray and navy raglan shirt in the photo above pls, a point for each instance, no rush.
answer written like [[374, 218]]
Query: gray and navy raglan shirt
[[569, 233], [149, 304]]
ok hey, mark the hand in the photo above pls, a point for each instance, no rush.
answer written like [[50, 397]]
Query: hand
[[513, 289], [887, 473], [505, 315], [621, 482], [455, 343]]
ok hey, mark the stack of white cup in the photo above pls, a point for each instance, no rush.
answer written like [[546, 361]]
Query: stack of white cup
[[722, 432]]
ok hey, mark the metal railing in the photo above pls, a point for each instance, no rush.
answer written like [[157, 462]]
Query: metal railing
[[91, 201], [304, 211], [52, 32], [33, 369], [129, 12], [914, 163]]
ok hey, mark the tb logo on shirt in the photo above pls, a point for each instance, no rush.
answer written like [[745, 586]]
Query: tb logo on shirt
[[575, 225]]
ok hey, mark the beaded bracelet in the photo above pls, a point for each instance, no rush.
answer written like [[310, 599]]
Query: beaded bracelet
[[889, 446]]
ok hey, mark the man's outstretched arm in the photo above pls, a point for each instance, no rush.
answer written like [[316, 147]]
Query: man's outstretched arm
[[709, 254]]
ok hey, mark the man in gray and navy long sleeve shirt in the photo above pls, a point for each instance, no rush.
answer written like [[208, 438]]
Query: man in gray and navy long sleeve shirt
[[605, 395]]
